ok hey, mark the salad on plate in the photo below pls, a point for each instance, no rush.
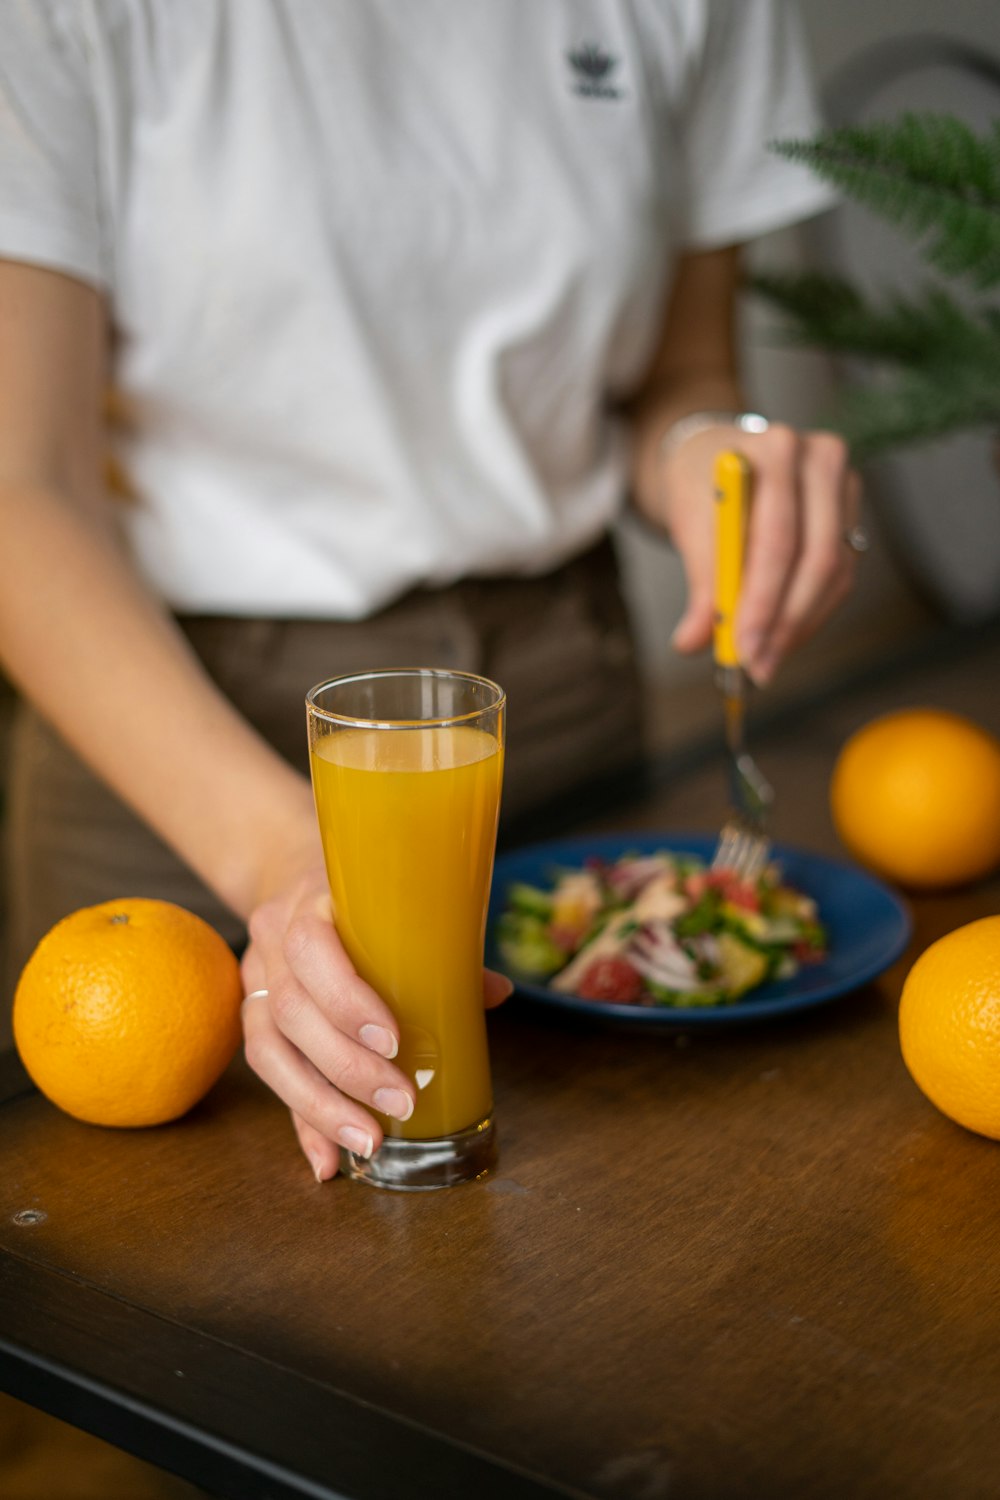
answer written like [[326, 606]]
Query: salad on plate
[[660, 929]]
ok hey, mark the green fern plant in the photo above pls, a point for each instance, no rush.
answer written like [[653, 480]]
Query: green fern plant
[[933, 359]]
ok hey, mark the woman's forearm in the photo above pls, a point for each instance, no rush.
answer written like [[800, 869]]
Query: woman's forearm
[[694, 368], [81, 638]]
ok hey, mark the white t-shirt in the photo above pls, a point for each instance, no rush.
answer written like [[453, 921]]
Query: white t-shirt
[[376, 269]]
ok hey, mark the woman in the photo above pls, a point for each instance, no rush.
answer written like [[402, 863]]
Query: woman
[[397, 305]]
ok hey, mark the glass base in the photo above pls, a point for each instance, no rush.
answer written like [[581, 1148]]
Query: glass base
[[422, 1166]]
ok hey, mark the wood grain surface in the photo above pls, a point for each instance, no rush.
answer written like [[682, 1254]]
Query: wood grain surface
[[748, 1263]]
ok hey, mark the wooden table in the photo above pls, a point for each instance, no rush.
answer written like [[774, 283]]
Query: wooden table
[[755, 1263]]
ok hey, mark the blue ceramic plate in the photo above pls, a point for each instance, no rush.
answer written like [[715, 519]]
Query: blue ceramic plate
[[868, 927]]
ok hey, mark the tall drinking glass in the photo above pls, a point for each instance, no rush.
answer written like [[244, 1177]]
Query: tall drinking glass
[[407, 767]]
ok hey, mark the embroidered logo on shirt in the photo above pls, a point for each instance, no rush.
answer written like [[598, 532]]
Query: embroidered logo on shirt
[[592, 70]]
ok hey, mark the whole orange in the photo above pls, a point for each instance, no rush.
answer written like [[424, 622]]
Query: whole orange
[[915, 795], [949, 1025], [128, 1012]]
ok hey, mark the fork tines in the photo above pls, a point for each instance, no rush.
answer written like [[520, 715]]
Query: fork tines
[[741, 849]]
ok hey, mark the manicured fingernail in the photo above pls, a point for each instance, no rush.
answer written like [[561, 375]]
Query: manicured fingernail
[[393, 1102], [749, 647], [320, 1170], [378, 1039], [357, 1141], [763, 670]]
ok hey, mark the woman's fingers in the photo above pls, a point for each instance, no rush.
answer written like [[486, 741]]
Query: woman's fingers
[[316, 1034], [316, 957], [332, 1016], [824, 568], [353, 1068], [253, 971], [690, 520], [329, 1114], [321, 1154], [798, 565], [774, 542], [334, 1054], [496, 988], [695, 541]]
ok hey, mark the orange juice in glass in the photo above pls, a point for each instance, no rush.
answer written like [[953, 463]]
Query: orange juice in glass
[[407, 767]]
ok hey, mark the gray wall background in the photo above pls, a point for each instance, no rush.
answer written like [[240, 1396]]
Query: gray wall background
[[885, 612]]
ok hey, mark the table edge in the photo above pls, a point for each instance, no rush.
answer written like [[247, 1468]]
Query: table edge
[[357, 1451]]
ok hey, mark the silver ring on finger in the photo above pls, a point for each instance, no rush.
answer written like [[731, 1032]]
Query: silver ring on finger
[[857, 539], [256, 995]]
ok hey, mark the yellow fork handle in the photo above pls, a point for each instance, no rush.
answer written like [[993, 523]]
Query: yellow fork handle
[[732, 501]]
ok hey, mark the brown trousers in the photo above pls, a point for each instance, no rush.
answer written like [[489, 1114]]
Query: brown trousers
[[560, 646]]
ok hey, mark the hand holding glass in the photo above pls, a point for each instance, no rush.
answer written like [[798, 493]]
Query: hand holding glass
[[407, 768]]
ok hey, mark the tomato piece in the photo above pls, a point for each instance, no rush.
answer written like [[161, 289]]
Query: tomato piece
[[807, 953], [611, 979], [737, 892]]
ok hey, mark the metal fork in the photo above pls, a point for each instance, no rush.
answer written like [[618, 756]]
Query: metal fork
[[744, 846]]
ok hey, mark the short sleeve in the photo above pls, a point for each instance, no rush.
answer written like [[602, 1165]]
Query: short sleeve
[[50, 198], [752, 85]]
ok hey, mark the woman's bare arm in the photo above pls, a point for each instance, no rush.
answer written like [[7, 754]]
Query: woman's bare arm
[[84, 640], [694, 367]]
